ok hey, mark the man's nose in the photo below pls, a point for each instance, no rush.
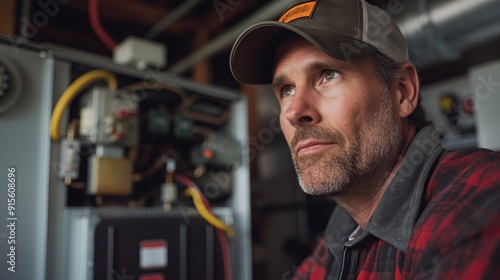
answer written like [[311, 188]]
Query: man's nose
[[303, 108]]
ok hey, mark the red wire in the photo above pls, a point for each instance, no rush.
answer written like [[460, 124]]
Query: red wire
[[190, 184], [97, 27], [224, 244]]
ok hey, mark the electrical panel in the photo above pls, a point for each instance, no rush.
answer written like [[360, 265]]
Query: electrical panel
[[147, 242], [121, 170], [464, 109], [449, 105]]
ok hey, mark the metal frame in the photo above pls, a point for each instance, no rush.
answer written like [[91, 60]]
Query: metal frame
[[43, 244]]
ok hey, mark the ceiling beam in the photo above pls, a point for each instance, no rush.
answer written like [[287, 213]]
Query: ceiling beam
[[7, 17], [269, 11], [135, 11]]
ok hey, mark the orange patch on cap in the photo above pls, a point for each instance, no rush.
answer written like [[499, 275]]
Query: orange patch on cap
[[300, 11]]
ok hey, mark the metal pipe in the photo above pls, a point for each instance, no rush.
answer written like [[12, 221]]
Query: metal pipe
[[267, 12], [24, 19], [171, 17], [440, 30], [98, 61], [435, 30], [461, 22]]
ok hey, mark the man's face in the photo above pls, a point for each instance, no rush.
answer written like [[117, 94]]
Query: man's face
[[340, 124]]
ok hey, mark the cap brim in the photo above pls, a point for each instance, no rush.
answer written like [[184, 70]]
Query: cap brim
[[252, 55]]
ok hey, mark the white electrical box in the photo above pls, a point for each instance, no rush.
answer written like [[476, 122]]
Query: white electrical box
[[140, 53], [485, 86]]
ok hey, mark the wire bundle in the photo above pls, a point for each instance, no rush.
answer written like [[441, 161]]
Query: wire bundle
[[203, 207], [200, 201], [72, 92]]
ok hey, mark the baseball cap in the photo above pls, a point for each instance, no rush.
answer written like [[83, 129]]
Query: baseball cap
[[343, 29]]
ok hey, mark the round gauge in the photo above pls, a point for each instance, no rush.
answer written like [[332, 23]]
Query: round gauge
[[4, 81], [10, 85]]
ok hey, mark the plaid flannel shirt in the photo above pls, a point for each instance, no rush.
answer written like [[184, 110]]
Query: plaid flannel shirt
[[438, 219]]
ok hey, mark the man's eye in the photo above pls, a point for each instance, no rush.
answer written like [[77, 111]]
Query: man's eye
[[329, 75], [287, 91]]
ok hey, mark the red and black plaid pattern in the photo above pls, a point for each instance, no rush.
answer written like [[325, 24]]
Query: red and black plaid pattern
[[456, 235]]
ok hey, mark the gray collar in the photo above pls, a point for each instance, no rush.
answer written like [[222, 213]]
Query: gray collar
[[397, 212]]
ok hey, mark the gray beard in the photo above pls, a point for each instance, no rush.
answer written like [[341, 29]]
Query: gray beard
[[329, 175]]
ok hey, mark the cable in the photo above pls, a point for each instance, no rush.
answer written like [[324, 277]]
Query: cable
[[139, 176], [207, 214], [97, 27], [226, 260], [72, 91], [190, 184], [202, 205]]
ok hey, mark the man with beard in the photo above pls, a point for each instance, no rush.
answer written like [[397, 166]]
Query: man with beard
[[350, 112]]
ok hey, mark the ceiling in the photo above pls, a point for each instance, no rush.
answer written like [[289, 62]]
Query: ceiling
[[67, 24], [70, 26]]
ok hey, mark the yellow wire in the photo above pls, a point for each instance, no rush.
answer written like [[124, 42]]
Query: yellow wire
[[72, 91], [205, 213]]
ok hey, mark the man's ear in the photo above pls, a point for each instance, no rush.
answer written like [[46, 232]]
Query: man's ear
[[408, 90]]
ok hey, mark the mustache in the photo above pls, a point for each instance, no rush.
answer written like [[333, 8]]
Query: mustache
[[318, 133]]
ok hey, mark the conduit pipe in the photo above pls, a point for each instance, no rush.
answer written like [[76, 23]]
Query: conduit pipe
[[436, 30], [270, 11], [440, 30], [183, 9]]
